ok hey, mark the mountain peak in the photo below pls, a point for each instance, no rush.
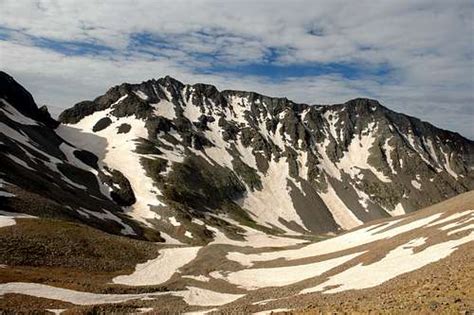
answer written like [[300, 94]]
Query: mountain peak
[[376, 161], [17, 96]]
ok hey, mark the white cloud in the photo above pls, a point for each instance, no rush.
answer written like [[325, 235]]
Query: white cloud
[[427, 44]]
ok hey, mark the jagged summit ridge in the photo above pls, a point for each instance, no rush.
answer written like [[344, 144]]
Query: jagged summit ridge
[[283, 165]]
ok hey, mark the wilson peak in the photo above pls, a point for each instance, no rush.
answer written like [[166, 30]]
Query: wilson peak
[[167, 154]]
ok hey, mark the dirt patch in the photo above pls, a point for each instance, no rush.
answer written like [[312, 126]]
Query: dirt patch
[[53, 243]]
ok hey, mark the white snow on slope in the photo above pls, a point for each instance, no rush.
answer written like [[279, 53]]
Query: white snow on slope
[[141, 95], [469, 227], [174, 222], [455, 216], [203, 297], [432, 152], [119, 154], [357, 155], [398, 210], [126, 229], [5, 193], [266, 277], [447, 164], [24, 141], [6, 221], [345, 241], [246, 154], [343, 216], [170, 240], [192, 111], [165, 109], [197, 278], [192, 295], [218, 153], [68, 151], [388, 149], [160, 269], [273, 201], [8, 218], [13, 114], [399, 261], [325, 162], [456, 224], [253, 238], [332, 118], [66, 295], [19, 162], [239, 107], [416, 184]]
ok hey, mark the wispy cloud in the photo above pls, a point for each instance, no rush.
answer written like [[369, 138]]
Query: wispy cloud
[[415, 57]]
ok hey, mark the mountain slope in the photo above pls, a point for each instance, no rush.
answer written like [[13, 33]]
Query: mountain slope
[[417, 262], [266, 161], [44, 175]]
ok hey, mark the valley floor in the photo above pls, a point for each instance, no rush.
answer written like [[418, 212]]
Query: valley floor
[[421, 262]]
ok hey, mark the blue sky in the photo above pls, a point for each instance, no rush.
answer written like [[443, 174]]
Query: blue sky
[[414, 56]]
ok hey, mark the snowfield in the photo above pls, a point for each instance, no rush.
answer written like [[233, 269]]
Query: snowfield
[[334, 265], [192, 295], [118, 152], [399, 261], [251, 279], [160, 269]]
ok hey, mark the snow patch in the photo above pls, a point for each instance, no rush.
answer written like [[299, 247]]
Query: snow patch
[[161, 269], [174, 222], [203, 297], [341, 214], [164, 109], [197, 278], [192, 295], [416, 184], [447, 164], [358, 153], [141, 95], [265, 277], [126, 230], [274, 200], [8, 218], [345, 241], [119, 154], [12, 113], [388, 149], [401, 260]]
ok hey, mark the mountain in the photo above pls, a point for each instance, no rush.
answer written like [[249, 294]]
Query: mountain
[[169, 157], [44, 175], [166, 197], [284, 166]]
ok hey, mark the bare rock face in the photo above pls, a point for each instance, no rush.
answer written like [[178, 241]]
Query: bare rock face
[[187, 152]]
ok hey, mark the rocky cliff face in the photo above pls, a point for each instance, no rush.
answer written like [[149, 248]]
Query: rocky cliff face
[[182, 157]]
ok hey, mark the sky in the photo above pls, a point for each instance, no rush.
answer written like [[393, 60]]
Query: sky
[[415, 57]]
